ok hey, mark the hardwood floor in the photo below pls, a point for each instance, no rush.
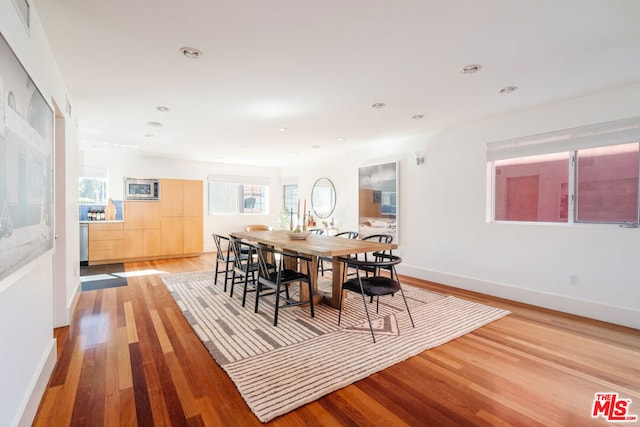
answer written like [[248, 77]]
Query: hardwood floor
[[129, 358]]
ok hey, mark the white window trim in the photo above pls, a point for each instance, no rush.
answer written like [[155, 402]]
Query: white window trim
[[616, 132]]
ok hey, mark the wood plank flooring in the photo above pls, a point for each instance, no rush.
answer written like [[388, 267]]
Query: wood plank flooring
[[129, 358]]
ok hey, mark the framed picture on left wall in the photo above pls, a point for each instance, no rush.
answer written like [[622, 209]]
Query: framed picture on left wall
[[26, 166]]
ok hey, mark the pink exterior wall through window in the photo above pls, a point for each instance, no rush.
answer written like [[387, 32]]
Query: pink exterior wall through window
[[532, 188], [536, 188]]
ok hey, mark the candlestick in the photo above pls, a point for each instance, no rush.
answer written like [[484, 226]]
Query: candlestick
[[291, 221]]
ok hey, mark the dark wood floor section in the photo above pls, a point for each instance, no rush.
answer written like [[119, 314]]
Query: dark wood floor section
[[130, 358]]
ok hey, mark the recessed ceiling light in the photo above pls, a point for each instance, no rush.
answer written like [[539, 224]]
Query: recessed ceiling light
[[341, 139], [163, 108], [470, 69], [190, 52], [508, 89], [282, 129], [154, 124], [378, 105], [315, 147], [417, 116]]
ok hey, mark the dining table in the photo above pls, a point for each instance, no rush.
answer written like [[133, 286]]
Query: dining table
[[317, 246]]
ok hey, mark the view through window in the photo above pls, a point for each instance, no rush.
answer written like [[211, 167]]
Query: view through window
[[578, 176]]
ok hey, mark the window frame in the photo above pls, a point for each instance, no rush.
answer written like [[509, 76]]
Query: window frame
[[237, 183], [93, 173], [569, 141]]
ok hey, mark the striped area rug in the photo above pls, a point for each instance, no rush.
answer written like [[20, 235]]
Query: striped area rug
[[278, 369]]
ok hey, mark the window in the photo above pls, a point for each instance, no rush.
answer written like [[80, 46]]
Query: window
[[607, 184], [290, 192], [587, 175], [230, 195], [532, 188], [253, 198], [92, 185]]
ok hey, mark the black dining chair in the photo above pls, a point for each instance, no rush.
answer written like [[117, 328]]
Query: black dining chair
[[374, 285], [244, 265], [275, 275], [344, 235], [371, 256], [224, 257]]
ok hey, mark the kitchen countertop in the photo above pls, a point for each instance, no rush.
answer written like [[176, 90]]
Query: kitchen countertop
[[101, 222]]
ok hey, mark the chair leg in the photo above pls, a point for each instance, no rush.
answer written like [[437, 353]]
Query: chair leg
[[340, 309], [364, 300], [407, 305], [277, 303], [215, 281], [226, 274], [244, 294], [313, 314], [233, 281], [258, 287]]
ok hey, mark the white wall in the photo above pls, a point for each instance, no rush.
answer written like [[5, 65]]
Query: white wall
[[122, 164], [27, 355], [444, 233]]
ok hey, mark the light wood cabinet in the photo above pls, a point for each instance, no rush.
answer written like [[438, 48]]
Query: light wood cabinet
[[181, 216], [105, 242], [142, 229], [171, 197], [172, 235]]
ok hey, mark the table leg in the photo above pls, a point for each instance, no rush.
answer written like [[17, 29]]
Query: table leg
[[313, 274], [336, 284]]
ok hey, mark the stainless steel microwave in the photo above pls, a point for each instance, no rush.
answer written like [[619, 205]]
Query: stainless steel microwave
[[141, 189]]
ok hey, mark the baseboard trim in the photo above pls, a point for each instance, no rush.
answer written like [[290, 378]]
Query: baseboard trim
[[32, 402], [593, 310], [71, 308]]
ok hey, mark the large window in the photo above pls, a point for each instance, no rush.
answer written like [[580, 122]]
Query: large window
[[230, 195], [290, 192], [588, 175], [92, 185]]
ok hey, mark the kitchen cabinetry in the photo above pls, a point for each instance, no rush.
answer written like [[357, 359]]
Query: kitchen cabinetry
[[142, 229], [181, 217], [169, 227], [105, 242]]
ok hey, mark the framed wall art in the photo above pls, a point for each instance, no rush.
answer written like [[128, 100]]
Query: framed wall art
[[378, 200], [26, 166]]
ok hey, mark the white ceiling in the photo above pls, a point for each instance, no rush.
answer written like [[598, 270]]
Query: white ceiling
[[316, 68]]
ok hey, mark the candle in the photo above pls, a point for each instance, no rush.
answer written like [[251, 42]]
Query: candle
[[305, 206], [298, 211]]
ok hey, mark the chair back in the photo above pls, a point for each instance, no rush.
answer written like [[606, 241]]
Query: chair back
[[382, 261], [242, 260], [267, 260], [258, 227], [348, 234], [217, 240], [381, 238], [316, 231]]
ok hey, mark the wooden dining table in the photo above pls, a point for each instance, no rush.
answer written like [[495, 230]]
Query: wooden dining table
[[317, 246]]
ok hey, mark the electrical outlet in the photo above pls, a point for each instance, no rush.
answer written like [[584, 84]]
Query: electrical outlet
[[573, 280]]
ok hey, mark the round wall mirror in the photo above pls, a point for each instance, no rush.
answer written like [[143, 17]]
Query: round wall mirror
[[323, 198]]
